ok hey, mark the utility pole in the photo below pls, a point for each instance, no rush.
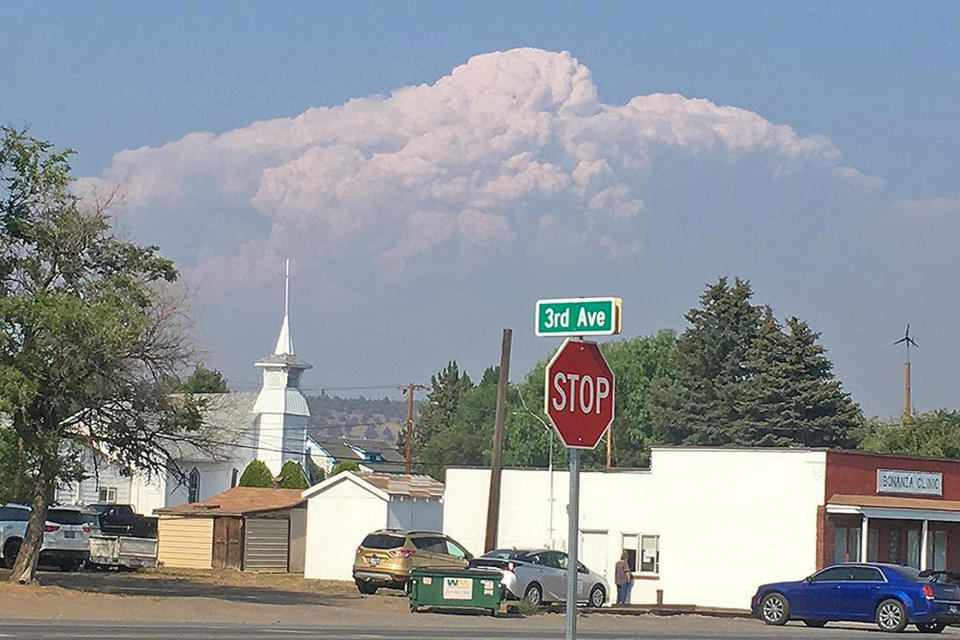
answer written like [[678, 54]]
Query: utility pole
[[906, 388], [610, 446], [493, 503], [408, 460], [908, 342]]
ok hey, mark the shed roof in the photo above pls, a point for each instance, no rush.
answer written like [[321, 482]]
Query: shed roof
[[400, 484], [239, 501]]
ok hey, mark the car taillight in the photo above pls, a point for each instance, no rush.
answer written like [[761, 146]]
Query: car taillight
[[51, 527], [85, 528], [359, 549], [928, 592], [400, 553]]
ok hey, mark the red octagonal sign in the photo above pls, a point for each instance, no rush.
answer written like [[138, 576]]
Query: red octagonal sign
[[579, 394]]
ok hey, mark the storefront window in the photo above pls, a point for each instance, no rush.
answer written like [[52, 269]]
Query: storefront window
[[937, 550], [629, 545], [650, 554], [846, 544], [913, 548]]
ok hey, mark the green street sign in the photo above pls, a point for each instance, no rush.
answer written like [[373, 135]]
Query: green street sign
[[578, 317]]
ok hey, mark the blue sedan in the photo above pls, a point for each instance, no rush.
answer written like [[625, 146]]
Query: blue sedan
[[890, 595]]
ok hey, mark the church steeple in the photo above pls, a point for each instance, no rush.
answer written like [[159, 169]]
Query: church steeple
[[284, 340], [282, 409]]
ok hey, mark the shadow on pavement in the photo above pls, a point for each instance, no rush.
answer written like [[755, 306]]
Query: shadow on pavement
[[132, 584]]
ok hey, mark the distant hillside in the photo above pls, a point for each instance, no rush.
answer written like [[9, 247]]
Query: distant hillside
[[355, 417]]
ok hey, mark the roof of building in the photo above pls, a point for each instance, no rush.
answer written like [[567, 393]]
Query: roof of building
[[894, 502], [401, 484], [391, 461], [228, 422], [239, 501], [386, 485]]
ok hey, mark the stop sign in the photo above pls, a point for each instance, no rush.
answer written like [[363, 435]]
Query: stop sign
[[579, 393]]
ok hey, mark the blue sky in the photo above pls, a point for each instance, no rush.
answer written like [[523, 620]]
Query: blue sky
[[878, 80]]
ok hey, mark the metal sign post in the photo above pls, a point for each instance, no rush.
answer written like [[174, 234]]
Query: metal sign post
[[573, 544], [578, 399]]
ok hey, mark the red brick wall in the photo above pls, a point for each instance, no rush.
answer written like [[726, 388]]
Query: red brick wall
[[856, 473]]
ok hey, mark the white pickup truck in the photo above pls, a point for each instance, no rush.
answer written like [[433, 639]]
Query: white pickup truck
[[66, 535]]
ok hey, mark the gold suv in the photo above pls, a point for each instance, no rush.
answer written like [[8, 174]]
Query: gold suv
[[386, 557]]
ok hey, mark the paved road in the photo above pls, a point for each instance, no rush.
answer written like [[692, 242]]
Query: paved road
[[678, 628]]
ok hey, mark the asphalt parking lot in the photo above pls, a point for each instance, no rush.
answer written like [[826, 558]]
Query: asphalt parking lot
[[436, 626], [166, 605]]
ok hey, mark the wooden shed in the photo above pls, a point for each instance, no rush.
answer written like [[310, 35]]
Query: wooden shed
[[247, 528]]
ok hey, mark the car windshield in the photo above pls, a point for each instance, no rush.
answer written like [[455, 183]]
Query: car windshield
[[65, 516], [506, 554], [382, 541]]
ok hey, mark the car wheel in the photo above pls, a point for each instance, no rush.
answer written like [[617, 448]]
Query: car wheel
[[891, 616], [70, 566], [534, 594], [930, 627], [815, 623], [597, 596], [10, 551], [775, 609], [366, 588]]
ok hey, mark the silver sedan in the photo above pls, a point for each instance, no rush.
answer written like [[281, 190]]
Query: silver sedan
[[539, 576]]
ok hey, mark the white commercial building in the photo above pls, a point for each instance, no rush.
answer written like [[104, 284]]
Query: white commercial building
[[706, 526]]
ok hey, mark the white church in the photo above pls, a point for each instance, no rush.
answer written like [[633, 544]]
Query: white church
[[269, 426]]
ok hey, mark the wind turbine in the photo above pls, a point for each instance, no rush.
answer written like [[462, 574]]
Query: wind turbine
[[907, 340]]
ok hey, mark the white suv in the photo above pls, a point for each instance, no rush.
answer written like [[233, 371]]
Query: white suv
[[66, 535]]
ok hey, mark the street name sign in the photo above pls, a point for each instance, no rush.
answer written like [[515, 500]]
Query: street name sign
[[579, 394], [578, 317]]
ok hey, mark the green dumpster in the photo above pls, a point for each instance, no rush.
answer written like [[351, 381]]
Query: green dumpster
[[454, 587]]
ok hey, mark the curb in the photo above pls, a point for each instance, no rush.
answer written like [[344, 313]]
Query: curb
[[673, 610]]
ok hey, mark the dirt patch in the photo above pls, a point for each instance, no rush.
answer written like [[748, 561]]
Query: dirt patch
[[222, 595]]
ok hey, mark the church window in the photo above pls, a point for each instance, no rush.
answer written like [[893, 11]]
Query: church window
[[193, 487]]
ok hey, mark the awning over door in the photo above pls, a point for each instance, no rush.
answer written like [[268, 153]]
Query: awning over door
[[895, 508]]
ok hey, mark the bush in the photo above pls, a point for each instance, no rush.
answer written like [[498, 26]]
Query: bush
[[317, 474], [257, 474], [292, 476], [345, 465]]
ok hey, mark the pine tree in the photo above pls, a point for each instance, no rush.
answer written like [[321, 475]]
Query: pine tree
[[257, 474], [292, 476], [698, 406], [766, 400], [446, 388], [825, 416]]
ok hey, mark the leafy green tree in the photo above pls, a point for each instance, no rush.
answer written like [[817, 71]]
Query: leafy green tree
[[204, 380], [87, 335], [292, 476], [468, 437], [934, 433], [257, 474], [16, 485], [345, 465]]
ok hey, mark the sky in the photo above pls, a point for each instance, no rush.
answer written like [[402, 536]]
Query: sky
[[432, 169]]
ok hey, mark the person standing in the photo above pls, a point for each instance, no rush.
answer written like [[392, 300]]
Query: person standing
[[623, 577]]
